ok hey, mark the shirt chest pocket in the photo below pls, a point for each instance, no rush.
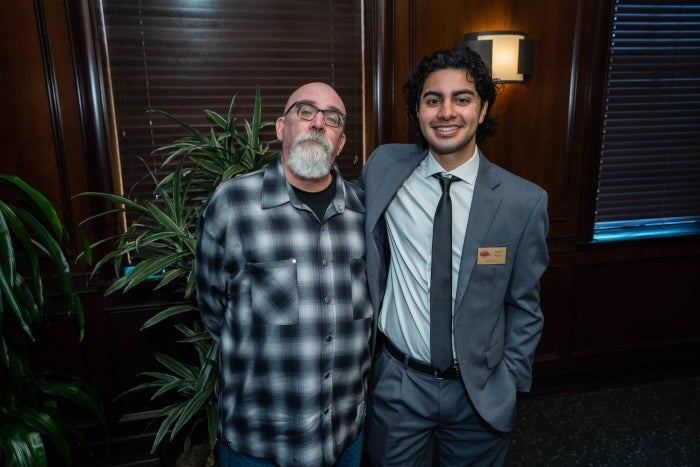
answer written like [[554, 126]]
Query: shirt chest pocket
[[273, 292]]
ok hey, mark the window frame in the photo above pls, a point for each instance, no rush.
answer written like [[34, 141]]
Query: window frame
[[275, 87], [633, 225]]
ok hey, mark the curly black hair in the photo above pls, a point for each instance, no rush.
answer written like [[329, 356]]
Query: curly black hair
[[462, 58]]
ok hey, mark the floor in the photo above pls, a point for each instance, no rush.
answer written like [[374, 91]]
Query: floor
[[653, 424], [647, 424]]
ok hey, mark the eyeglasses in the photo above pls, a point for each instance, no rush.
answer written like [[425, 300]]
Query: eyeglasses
[[308, 112]]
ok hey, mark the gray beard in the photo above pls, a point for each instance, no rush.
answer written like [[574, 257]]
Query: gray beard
[[311, 156]]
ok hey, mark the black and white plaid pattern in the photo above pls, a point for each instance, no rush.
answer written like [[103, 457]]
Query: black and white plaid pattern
[[286, 296]]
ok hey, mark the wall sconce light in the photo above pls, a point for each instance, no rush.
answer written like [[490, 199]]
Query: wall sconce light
[[509, 54]]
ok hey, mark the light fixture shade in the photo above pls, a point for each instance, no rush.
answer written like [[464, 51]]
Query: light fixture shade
[[508, 53]]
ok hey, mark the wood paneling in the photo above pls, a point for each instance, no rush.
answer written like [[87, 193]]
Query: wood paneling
[[617, 306], [635, 305], [26, 121], [550, 133], [554, 293], [534, 138]]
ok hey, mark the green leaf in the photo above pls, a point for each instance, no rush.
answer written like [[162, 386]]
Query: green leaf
[[168, 277], [39, 201], [183, 370], [145, 270], [216, 118], [78, 392], [22, 235], [164, 428], [184, 388], [159, 380], [212, 425], [64, 274], [30, 228], [21, 446], [7, 262], [168, 313], [188, 412], [43, 423], [14, 295], [4, 350]]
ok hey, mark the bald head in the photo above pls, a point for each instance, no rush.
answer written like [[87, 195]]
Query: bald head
[[317, 93]]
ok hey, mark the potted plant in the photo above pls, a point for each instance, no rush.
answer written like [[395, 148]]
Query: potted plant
[[33, 243], [157, 250]]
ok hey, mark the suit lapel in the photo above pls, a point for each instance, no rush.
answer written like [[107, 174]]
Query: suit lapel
[[401, 166], [484, 206]]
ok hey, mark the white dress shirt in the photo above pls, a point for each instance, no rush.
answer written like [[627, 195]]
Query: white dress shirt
[[405, 313]]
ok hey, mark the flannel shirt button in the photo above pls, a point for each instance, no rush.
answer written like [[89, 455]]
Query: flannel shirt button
[[329, 338], [327, 375], [325, 411], [325, 262], [327, 300]]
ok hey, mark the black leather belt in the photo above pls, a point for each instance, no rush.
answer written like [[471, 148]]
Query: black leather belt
[[451, 373]]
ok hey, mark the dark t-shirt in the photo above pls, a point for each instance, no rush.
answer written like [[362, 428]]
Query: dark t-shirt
[[318, 202]]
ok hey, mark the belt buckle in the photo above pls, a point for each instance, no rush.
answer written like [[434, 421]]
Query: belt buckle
[[437, 374]]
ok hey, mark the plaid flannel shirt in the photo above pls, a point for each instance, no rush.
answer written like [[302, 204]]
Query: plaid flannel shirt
[[286, 297]]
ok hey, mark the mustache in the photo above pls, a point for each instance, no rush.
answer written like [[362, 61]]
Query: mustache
[[316, 137]]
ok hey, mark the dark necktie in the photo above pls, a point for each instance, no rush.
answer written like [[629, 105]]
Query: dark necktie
[[441, 280]]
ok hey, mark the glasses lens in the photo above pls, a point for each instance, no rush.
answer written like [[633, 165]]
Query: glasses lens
[[330, 117], [307, 111]]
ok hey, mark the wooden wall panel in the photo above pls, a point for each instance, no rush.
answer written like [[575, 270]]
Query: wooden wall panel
[[554, 295], [133, 347], [550, 134], [26, 125], [532, 139], [72, 165], [635, 305], [620, 305], [539, 136]]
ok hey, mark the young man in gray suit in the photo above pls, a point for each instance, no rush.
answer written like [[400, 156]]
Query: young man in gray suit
[[465, 405]]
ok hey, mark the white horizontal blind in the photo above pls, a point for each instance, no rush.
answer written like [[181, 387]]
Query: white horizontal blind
[[650, 155], [184, 57]]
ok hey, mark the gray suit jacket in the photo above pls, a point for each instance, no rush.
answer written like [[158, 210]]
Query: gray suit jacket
[[497, 317]]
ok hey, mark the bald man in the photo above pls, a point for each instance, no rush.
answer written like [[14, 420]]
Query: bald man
[[281, 285]]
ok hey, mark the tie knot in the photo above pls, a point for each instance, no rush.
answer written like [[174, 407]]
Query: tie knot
[[445, 180]]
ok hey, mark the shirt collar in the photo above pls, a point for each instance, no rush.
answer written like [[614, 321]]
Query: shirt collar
[[466, 172], [274, 187], [276, 190]]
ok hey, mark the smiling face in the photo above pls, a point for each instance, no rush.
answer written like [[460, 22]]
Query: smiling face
[[449, 112]]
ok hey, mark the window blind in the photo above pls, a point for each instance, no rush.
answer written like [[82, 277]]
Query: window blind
[[649, 174], [185, 57]]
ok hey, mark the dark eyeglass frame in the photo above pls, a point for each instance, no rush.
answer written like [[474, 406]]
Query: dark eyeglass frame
[[328, 121]]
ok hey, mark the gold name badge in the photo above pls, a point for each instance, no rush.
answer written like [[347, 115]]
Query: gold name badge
[[491, 255]]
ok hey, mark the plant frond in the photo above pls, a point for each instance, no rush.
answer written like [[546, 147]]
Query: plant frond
[[21, 446], [39, 203], [42, 423], [168, 313], [79, 392], [189, 411], [184, 370]]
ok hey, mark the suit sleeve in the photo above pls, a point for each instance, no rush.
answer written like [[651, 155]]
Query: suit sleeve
[[524, 319]]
